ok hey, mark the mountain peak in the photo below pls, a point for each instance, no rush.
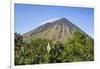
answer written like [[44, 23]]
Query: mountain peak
[[63, 18], [59, 29], [53, 20], [54, 29]]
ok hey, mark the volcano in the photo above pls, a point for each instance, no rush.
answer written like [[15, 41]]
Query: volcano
[[60, 29]]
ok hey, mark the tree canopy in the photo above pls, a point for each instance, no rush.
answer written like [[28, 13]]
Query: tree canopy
[[80, 47]]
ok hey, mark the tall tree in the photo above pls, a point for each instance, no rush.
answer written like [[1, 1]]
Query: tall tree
[[19, 58]]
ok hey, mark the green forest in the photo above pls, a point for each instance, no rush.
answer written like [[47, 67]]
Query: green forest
[[78, 48]]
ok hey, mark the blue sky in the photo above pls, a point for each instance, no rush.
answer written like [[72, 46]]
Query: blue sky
[[28, 17]]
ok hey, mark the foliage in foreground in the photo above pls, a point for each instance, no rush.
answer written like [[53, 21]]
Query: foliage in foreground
[[78, 48]]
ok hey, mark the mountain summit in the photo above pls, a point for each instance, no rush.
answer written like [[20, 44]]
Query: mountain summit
[[56, 30]]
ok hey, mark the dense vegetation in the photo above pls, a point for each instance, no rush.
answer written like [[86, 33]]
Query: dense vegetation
[[78, 48]]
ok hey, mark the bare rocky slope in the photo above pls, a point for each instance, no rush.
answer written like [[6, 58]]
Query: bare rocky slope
[[57, 30]]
